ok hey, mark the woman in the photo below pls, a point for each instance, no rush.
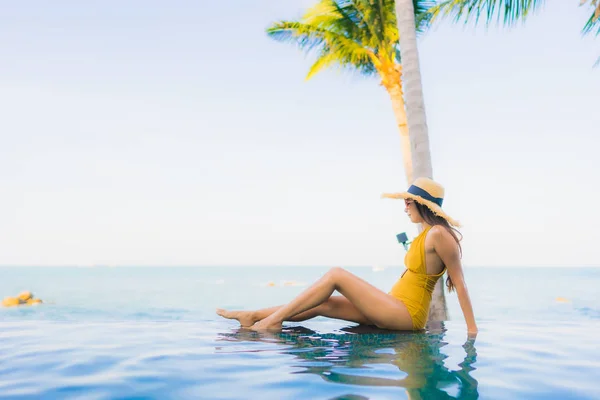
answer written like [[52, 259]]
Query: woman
[[434, 251]]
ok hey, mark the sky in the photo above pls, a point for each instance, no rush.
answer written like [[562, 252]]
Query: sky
[[153, 134]]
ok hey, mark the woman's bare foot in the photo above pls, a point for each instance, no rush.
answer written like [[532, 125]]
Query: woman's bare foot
[[245, 318], [266, 325]]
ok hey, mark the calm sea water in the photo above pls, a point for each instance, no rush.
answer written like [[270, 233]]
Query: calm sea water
[[152, 333]]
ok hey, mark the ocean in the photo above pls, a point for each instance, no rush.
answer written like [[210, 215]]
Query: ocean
[[152, 333]]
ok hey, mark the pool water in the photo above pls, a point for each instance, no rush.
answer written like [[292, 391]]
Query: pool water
[[109, 333]]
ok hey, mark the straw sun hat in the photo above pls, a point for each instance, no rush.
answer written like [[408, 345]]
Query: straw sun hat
[[427, 192]]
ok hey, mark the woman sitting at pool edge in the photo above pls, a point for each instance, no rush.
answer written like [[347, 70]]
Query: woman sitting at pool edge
[[433, 252]]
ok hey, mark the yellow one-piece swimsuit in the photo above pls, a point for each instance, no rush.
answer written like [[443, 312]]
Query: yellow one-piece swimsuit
[[414, 288]]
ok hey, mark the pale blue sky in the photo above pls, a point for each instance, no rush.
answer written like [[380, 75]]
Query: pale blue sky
[[155, 133]]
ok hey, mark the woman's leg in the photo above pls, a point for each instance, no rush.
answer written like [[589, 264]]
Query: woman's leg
[[247, 318], [381, 309], [337, 307]]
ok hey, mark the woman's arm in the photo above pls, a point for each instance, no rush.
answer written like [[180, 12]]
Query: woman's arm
[[447, 249]]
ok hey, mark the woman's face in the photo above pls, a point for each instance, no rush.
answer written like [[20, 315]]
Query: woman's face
[[410, 209]]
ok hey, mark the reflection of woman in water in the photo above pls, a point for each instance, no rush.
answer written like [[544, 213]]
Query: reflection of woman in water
[[435, 251], [348, 358]]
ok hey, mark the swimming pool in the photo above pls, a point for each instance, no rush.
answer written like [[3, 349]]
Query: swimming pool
[[152, 333]]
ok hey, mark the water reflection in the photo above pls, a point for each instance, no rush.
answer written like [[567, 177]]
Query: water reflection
[[368, 356]]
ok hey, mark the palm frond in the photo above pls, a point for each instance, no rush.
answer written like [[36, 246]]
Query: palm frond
[[324, 61], [593, 23], [332, 46], [506, 12], [328, 59], [422, 15], [334, 15], [309, 36], [361, 35]]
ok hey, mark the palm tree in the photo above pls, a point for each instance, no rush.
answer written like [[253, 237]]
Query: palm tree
[[357, 35], [363, 36]]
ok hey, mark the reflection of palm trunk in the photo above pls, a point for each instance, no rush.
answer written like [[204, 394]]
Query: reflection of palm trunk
[[417, 122]]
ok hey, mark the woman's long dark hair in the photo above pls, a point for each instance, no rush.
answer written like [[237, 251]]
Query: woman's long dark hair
[[430, 218]]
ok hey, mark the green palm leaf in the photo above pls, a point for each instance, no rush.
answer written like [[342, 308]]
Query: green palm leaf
[[359, 35], [507, 12], [593, 23], [332, 47]]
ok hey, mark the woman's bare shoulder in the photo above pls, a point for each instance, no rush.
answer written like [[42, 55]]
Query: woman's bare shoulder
[[439, 232], [440, 236]]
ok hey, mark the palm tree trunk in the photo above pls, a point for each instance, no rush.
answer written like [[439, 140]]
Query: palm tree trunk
[[417, 122], [395, 93], [413, 90]]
